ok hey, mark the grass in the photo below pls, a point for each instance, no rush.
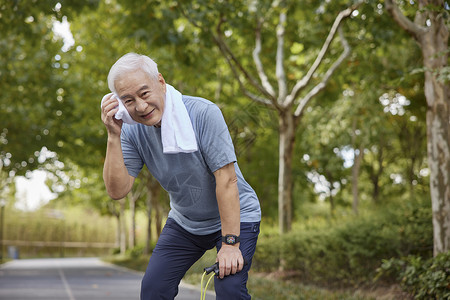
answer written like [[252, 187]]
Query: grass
[[134, 263], [262, 287]]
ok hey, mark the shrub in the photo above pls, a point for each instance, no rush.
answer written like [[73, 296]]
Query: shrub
[[423, 279], [135, 252], [348, 252]]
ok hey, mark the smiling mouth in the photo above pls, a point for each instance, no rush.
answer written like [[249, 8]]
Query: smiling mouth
[[147, 116]]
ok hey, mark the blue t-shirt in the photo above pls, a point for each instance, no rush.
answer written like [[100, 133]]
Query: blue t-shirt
[[188, 177]]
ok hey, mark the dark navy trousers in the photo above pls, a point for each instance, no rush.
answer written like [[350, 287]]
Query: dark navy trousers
[[177, 250]]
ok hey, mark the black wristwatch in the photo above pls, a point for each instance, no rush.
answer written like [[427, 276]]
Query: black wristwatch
[[231, 239]]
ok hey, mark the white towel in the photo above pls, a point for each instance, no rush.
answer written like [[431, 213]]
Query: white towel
[[177, 133], [122, 113]]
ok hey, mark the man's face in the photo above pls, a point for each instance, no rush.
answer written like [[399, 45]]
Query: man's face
[[143, 96]]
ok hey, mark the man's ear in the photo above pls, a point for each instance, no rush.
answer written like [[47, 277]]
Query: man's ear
[[162, 81], [161, 78]]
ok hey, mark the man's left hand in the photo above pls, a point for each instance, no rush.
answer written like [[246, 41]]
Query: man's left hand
[[230, 260]]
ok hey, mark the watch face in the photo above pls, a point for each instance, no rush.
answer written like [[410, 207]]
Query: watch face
[[230, 239]]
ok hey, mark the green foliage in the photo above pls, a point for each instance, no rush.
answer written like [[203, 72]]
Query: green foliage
[[421, 278], [349, 250], [33, 108], [138, 250]]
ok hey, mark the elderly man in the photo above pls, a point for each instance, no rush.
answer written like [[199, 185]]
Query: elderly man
[[185, 143]]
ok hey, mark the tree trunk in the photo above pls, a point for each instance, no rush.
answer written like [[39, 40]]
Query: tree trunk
[[132, 234], [377, 174], [287, 124], [332, 205], [153, 191], [411, 176], [112, 209], [149, 224], [329, 177], [158, 218], [435, 55], [118, 231], [357, 159], [123, 227], [430, 31]]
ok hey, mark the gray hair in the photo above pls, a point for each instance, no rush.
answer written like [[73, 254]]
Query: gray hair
[[131, 62]]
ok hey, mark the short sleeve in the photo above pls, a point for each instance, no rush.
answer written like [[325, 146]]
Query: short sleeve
[[215, 141], [131, 157]]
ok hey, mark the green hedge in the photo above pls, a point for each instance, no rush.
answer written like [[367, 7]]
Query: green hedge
[[423, 279], [348, 252]]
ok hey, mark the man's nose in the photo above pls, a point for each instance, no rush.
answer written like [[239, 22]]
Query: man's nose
[[141, 105]]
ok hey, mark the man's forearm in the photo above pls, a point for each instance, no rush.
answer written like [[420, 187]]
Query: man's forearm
[[227, 194], [115, 175], [229, 209]]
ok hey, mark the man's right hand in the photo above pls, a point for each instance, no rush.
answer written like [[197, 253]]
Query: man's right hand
[[110, 107]]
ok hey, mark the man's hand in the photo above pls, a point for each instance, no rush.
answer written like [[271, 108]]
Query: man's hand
[[109, 109], [230, 260]]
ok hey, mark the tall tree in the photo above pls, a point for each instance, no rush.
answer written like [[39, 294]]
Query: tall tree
[[431, 32], [294, 90], [33, 108], [32, 104]]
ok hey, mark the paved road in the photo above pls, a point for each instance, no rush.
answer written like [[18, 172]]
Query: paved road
[[74, 279]]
